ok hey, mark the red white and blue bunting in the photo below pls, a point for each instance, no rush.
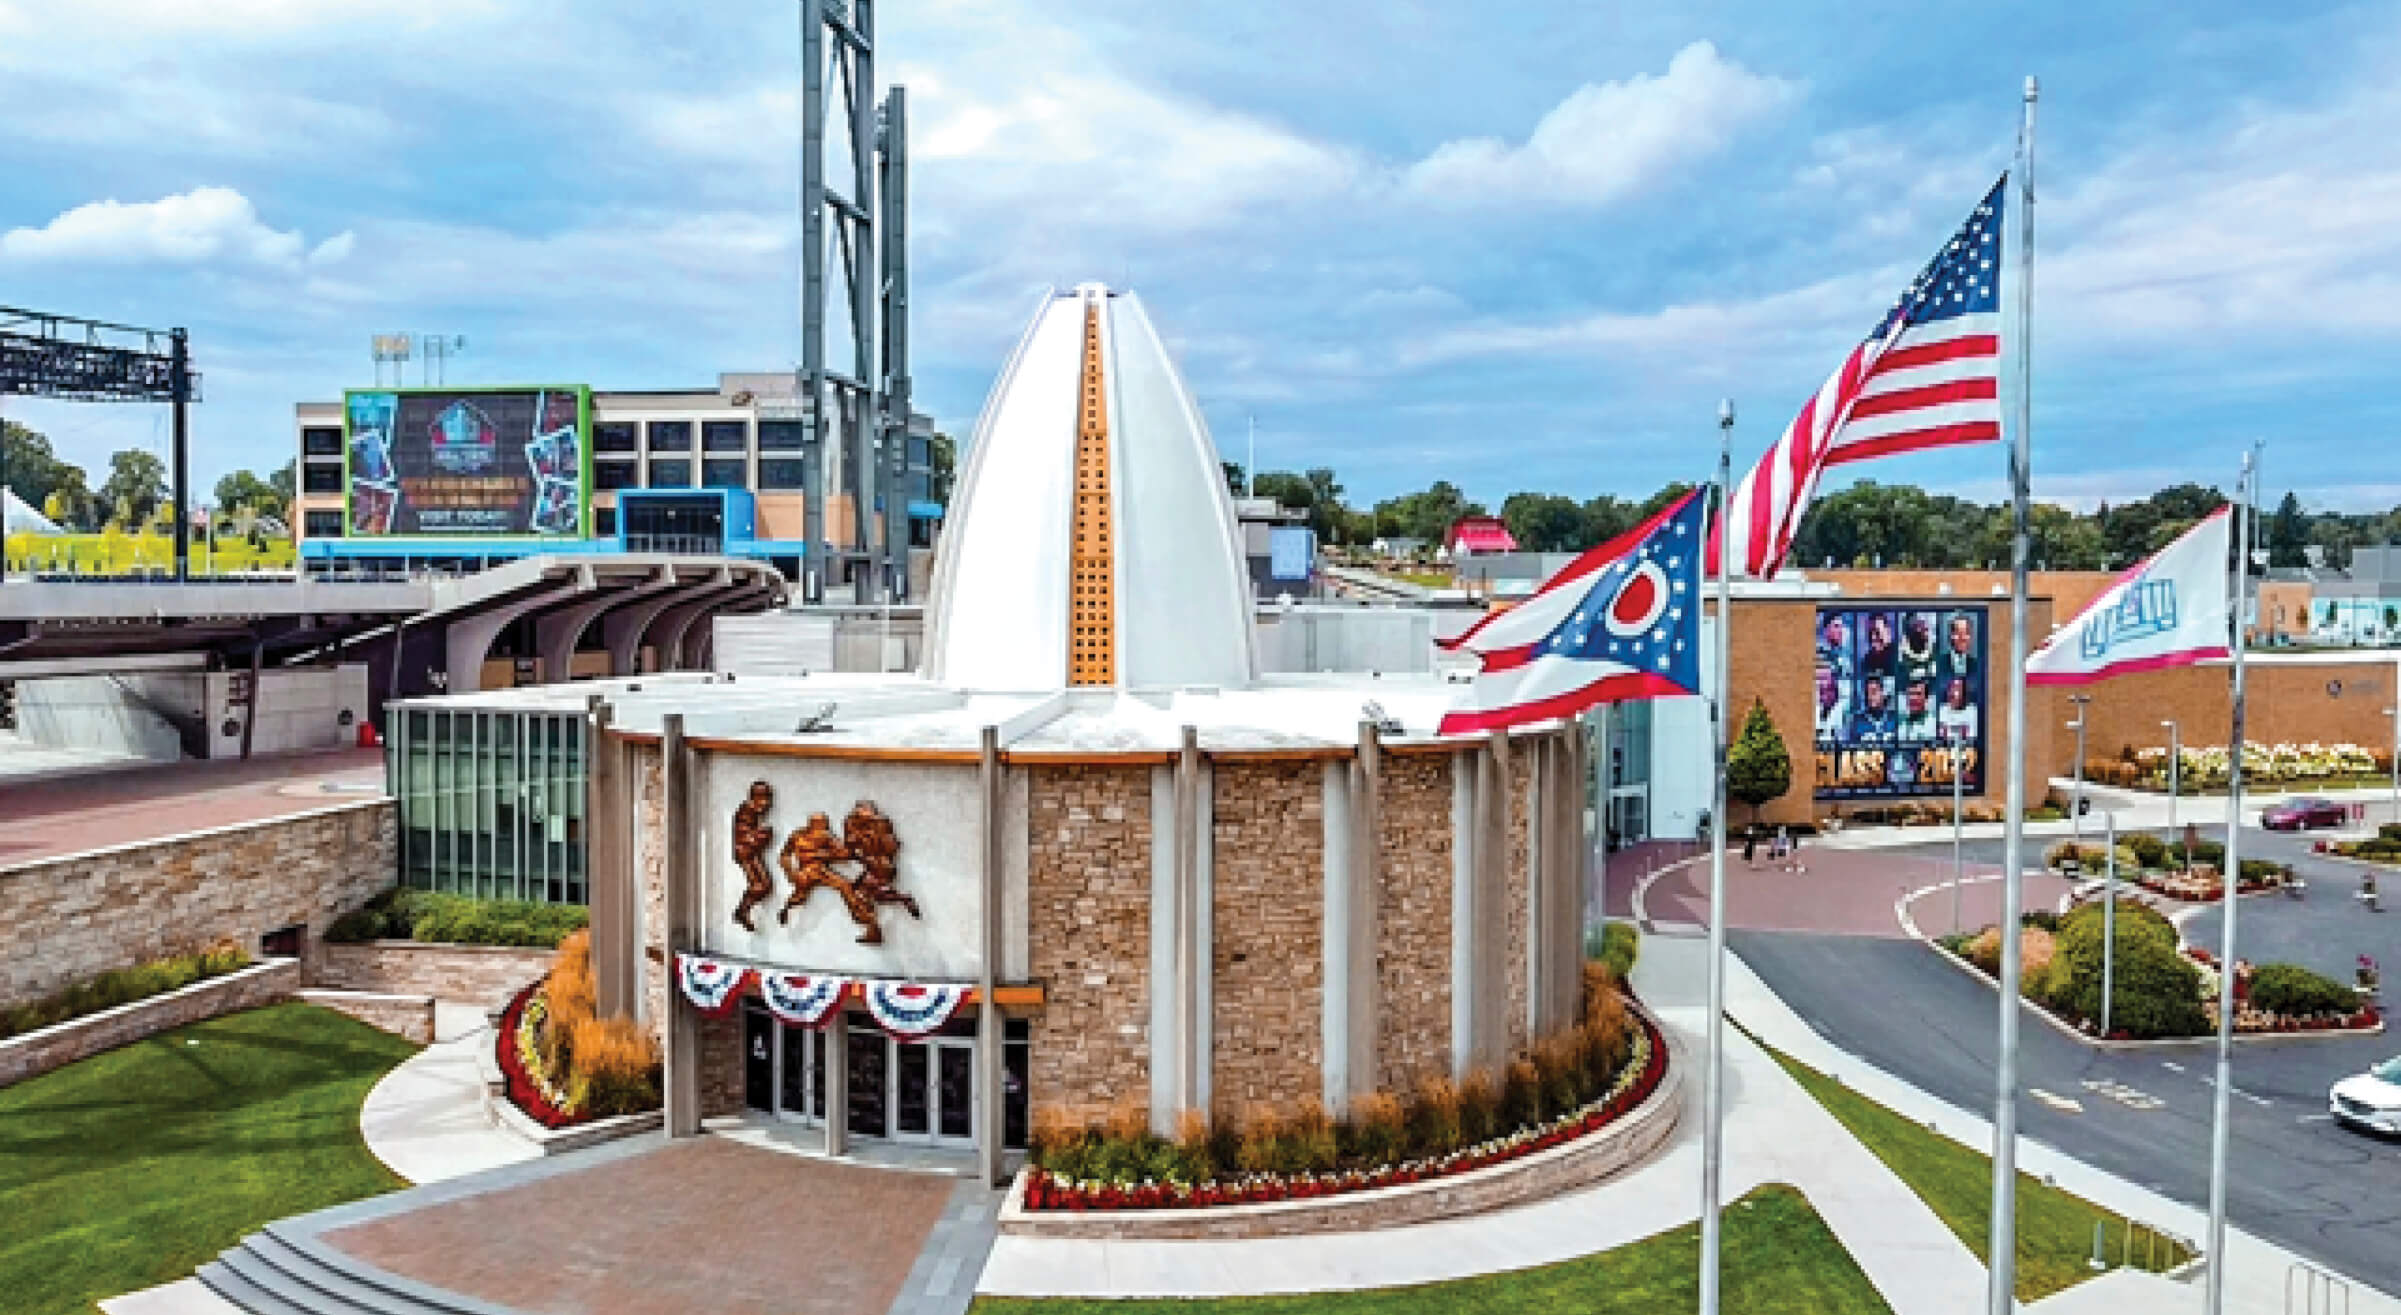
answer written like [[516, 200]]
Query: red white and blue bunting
[[802, 999], [910, 1010], [712, 985]]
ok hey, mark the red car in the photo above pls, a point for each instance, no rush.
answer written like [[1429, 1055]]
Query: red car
[[2304, 812]]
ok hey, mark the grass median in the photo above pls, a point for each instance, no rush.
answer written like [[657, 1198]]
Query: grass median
[[2054, 1228], [1779, 1259], [133, 1167]]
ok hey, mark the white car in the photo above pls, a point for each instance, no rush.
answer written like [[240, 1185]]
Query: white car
[[2370, 1100]]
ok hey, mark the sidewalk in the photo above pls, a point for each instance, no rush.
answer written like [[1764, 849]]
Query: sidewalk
[[425, 1120], [1774, 1133], [2135, 809], [2255, 1270]]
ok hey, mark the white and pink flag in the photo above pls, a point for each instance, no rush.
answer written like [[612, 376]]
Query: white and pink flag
[[2170, 611]]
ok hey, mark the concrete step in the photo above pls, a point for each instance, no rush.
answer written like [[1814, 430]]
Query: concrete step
[[286, 1272]]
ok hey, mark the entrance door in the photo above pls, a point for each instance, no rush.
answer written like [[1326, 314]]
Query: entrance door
[[869, 1068], [758, 1059], [954, 1092], [800, 1084]]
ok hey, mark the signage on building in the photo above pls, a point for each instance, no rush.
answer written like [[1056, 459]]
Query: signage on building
[[488, 462], [1900, 702], [1291, 552]]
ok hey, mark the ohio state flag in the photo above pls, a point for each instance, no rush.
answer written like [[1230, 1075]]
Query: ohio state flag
[[2170, 611]]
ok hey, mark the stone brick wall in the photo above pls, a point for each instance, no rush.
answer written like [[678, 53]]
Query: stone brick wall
[[66, 919], [1267, 923], [1088, 885], [1413, 919], [39, 1052], [650, 884], [1520, 892], [409, 1017], [466, 974]]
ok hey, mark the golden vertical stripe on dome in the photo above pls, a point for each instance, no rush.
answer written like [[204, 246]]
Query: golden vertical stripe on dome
[[1092, 574]]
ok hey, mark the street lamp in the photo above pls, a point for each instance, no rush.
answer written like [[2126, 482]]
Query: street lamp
[[1954, 742], [2175, 778], [2076, 806], [2394, 712]]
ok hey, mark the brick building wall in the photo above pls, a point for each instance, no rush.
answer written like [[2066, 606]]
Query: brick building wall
[[1413, 919], [1267, 912], [2068, 591], [1772, 659], [63, 920], [721, 1064], [1088, 887], [2296, 701]]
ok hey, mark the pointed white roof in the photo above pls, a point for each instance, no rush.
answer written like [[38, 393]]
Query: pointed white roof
[[999, 615]]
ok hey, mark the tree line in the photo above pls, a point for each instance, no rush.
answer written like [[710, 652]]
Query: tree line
[[134, 495], [1865, 525]]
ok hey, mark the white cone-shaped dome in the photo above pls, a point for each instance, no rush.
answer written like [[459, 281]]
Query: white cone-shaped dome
[[1090, 544]]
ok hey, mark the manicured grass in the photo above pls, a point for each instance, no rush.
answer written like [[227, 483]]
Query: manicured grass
[[2054, 1228], [1779, 1259], [126, 554], [132, 1168]]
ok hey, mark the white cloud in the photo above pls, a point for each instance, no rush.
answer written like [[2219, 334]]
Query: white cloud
[[1610, 140], [205, 226]]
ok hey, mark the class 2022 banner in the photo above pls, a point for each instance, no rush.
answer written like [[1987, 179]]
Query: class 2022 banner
[[1900, 700]]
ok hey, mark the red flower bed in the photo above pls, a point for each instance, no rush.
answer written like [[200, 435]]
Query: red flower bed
[[523, 1092], [1045, 1192]]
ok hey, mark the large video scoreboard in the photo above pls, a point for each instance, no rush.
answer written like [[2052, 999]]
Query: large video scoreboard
[[485, 462]]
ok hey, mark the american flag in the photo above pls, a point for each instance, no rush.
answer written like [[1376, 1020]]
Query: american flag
[[1927, 376], [1620, 622]]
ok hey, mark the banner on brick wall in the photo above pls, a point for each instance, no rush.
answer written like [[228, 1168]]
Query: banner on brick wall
[[802, 999], [910, 1010], [712, 985]]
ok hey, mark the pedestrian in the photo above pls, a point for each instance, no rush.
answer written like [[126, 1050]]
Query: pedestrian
[[1795, 848], [1750, 846], [1783, 850]]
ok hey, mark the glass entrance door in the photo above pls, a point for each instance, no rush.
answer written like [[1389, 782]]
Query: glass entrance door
[[954, 1092]]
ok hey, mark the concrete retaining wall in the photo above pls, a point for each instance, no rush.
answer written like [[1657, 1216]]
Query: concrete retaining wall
[[409, 1017], [39, 1052], [484, 975]]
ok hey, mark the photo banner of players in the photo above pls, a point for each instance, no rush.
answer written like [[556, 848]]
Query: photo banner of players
[[1900, 702], [492, 462]]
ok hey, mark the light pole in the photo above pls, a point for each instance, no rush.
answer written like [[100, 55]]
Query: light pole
[[2395, 713], [1958, 812], [2109, 920], [2076, 805], [2175, 779]]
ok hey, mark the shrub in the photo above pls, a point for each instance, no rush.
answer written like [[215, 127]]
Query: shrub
[[1558, 1069], [1521, 1095], [404, 914], [1375, 1132], [2157, 990], [1434, 1118], [2149, 850], [1479, 1107], [1615, 944], [2211, 852], [2389, 831], [2287, 988], [123, 986], [2043, 918], [616, 1065]]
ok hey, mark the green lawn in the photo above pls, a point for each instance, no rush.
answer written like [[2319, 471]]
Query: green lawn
[[1780, 1259], [2055, 1229], [132, 1168]]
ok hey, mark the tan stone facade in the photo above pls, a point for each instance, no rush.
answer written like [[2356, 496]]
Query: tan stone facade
[[1518, 899], [1266, 924], [650, 883], [409, 1017], [63, 920], [721, 1065], [467, 974], [1413, 919], [1088, 889]]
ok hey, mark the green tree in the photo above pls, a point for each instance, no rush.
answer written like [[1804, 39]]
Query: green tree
[[1758, 767], [1544, 522], [1327, 515], [2288, 533], [137, 483], [281, 484], [35, 473], [242, 492], [1427, 515], [1233, 470]]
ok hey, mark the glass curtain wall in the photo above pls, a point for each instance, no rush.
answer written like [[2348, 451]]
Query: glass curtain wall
[[491, 802]]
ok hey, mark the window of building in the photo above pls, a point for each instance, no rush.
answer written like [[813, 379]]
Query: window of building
[[326, 524], [725, 473], [670, 436], [921, 451], [674, 474], [604, 522], [616, 474], [321, 477], [782, 435], [321, 441], [491, 803], [614, 436], [782, 472], [919, 485], [724, 436]]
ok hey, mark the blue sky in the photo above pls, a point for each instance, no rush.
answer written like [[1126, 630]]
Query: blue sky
[[1531, 259]]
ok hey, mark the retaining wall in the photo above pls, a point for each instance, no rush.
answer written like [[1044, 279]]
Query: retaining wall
[[36, 1053], [464, 974]]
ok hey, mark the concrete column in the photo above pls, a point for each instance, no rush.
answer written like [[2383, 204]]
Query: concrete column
[[468, 640], [989, 1029], [678, 845], [623, 628], [1336, 952], [666, 635], [1189, 963], [1363, 998], [557, 631], [1493, 891], [1531, 888], [608, 872], [837, 1083], [1468, 779]]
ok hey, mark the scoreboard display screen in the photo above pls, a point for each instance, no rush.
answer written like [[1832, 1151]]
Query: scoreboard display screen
[[482, 462]]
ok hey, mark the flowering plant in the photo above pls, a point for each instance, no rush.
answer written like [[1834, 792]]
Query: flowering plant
[[530, 1087], [2370, 976]]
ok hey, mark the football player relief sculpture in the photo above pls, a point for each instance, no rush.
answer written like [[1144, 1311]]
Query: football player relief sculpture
[[813, 857]]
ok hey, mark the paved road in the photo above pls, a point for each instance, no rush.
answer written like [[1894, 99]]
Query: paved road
[[2322, 1191]]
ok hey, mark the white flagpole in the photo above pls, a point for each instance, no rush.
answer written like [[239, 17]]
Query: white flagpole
[[2001, 1263], [1713, 1068], [2221, 1112]]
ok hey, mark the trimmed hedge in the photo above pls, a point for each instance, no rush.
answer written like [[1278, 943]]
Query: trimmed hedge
[[402, 914], [2288, 988], [122, 986], [1616, 944], [2156, 991]]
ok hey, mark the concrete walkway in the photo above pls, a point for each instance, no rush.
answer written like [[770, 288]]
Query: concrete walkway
[[2135, 809], [426, 1119], [1774, 1133]]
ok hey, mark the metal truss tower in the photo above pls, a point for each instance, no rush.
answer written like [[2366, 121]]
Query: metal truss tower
[[43, 355], [858, 420]]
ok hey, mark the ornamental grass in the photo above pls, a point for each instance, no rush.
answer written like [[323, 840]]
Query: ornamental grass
[[598, 1066], [123, 986]]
